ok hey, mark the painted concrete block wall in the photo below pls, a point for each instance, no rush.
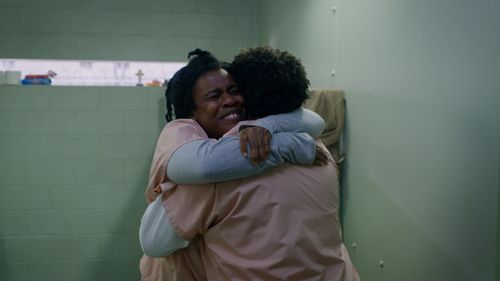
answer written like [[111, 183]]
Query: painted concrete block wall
[[74, 164], [74, 161], [305, 28], [498, 217], [159, 30], [422, 173]]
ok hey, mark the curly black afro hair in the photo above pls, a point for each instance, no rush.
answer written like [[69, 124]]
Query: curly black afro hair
[[271, 81]]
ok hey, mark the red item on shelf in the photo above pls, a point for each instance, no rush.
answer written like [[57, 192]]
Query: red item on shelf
[[32, 76]]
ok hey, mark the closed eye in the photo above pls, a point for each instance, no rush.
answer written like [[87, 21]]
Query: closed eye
[[233, 90], [213, 94]]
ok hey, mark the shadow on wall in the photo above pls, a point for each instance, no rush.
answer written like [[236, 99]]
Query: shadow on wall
[[497, 274], [344, 169]]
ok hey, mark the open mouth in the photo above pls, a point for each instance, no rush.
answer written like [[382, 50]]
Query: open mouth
[[231, 116]]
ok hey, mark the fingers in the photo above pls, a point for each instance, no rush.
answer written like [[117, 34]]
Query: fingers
[[255, 149], [264, 142], [258, 139], [321, 158], [255, 153], [243, 145], [152, 194], [267, 144]]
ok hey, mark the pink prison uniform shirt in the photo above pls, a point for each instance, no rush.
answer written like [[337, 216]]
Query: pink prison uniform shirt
[[185, 264], [280, 225]]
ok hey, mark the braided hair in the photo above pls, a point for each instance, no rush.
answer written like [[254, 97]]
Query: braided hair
[[179, 93]]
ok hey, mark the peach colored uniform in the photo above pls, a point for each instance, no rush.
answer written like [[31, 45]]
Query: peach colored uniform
[[185, 264], [280, 225]]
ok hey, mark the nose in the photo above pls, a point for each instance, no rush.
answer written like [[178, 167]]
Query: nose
[[228, 99]]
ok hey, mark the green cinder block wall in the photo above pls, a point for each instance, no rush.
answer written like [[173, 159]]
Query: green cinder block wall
[[421, 179], [498, 215], [157, 30], [74, 160], [74, 164]]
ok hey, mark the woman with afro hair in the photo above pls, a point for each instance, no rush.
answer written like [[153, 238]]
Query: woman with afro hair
[[270, 80]]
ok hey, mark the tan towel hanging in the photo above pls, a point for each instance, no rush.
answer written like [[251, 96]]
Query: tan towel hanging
[[330, 105]]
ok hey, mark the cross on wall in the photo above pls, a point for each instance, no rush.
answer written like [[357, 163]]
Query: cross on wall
[[139, 75]]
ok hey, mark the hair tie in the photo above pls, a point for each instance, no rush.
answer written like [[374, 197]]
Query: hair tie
[[191, 57], [197, 53]]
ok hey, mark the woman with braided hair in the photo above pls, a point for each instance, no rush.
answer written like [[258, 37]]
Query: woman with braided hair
[[207, 104]]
